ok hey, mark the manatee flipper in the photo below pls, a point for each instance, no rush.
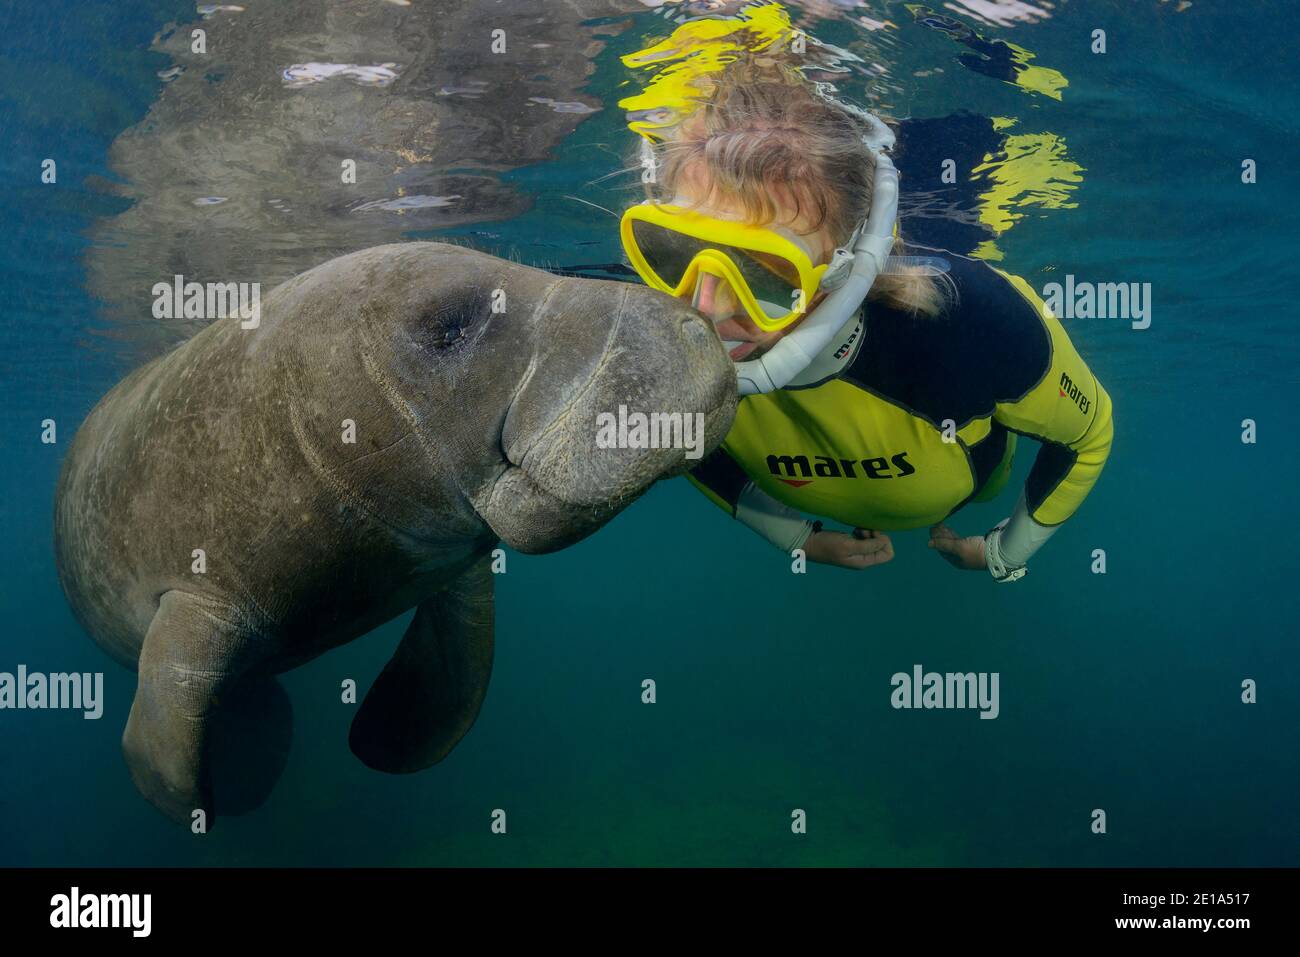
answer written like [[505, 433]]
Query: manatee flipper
[[249, 744], [192, 653], [430, 692]]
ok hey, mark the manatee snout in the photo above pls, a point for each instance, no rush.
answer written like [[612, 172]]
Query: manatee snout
[[593, 428]]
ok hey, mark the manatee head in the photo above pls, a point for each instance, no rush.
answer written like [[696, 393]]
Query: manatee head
[[526, 388], [628, 386]]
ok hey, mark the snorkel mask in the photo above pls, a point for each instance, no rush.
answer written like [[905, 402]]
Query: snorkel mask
[[770, 272]]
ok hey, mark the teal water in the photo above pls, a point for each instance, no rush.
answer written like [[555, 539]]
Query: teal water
[[1119, 691]]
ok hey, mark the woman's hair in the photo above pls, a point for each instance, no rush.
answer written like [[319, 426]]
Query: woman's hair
[[765, 129]]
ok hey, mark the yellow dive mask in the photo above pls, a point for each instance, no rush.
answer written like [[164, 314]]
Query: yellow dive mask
[[768, 269]]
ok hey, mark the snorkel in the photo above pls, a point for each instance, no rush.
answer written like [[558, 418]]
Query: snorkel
[[864, 259]]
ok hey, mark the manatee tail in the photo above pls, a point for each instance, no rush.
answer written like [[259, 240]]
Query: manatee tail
[[429, 694]]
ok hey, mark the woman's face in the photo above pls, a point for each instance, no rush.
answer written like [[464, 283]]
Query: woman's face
[[716, 299]]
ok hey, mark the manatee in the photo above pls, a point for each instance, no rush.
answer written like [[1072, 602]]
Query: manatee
[[214, 527]]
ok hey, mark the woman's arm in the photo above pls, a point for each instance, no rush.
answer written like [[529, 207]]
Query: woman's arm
[[727, 486], [1069, 413]]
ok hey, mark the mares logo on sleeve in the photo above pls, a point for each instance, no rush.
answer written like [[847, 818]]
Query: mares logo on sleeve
[[1072, 392]]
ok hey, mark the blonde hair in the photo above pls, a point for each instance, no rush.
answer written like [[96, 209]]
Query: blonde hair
[[765, 130]]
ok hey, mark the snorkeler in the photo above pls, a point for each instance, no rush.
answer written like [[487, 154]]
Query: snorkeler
[[775, 215]]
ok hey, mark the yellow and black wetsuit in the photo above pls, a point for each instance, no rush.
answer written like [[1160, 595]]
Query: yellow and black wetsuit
[[917, 416]]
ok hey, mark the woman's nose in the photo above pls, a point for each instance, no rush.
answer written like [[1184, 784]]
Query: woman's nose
[[709, 298], [702, 298]]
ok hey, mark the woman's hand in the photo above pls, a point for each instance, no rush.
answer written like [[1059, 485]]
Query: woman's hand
[[967, 553], [862, 549]]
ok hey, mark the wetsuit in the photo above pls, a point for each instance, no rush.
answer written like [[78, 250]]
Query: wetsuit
[[904, 419]]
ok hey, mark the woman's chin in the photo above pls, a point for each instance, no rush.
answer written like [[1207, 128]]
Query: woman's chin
[[743, 351]]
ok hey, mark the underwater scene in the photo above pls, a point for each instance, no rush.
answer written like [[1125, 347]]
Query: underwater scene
[[279, 495]]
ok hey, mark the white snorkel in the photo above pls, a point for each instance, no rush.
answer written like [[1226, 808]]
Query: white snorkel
[[863, 261]]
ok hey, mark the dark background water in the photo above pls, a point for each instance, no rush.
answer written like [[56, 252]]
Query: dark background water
[[1118, 691]]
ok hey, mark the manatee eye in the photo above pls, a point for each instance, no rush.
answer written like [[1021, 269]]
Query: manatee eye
[[444, 328], [448, 335]]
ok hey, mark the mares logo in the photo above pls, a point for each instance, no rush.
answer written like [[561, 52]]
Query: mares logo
[[847, 345], [796, 470], [1074, 393]]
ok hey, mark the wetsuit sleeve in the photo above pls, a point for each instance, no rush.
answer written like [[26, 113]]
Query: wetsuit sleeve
[[720, 479], [1069, 412], [727, 486]]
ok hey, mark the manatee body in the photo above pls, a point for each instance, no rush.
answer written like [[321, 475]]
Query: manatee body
[[472, 388]]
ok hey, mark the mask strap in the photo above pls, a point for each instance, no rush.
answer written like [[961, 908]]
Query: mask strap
[[837, 270]]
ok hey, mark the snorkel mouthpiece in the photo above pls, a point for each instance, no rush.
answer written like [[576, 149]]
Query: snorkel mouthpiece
[[870, 249]]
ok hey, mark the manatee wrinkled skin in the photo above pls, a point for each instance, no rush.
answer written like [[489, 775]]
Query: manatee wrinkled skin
[[472, 426]]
